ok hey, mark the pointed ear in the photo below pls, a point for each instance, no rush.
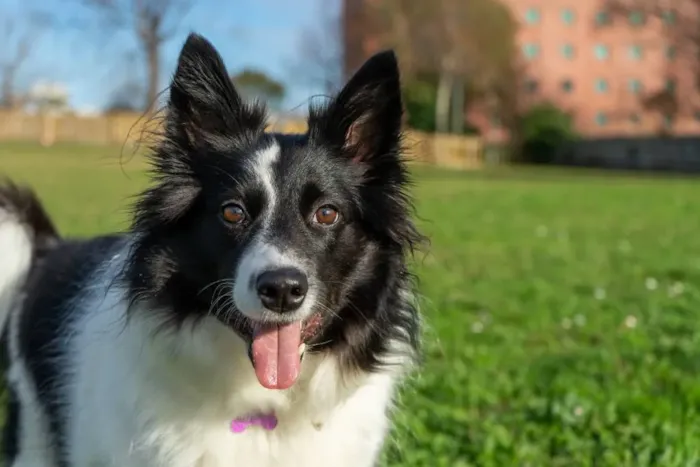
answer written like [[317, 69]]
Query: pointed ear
[[365, 117], [203, 101]]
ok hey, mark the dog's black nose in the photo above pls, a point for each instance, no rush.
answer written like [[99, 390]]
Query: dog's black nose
[[282, 290]]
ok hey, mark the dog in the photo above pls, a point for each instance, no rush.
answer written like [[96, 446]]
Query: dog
[[260, 309]]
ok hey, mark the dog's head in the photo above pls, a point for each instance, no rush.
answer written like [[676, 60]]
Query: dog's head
[[287, 239]]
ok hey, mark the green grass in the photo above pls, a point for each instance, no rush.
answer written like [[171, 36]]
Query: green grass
[[561, 309]]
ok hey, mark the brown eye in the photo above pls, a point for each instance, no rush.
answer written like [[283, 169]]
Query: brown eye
[[326, 215], [232, 213]]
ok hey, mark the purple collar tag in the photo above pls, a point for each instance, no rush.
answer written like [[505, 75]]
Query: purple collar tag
[[268, 422]]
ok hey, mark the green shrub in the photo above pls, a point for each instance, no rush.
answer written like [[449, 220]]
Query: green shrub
[[545, 129], [420, 96]]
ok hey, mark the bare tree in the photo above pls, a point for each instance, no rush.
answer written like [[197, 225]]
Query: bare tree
[[320, 61], [18, 34], [461, 41], [153, 22]]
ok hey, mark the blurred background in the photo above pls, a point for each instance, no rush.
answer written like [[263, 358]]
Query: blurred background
[[553, 146]]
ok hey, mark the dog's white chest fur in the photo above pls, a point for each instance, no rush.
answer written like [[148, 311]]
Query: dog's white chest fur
[[134, 405]]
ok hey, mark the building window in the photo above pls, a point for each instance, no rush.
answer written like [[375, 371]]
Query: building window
[[601, 52], [602, 18], [668, 121], [601, 86], [531, 51], [531, 86], [635, 119], [567, 86], [532, 16], [635, 86], [670, 85], [601, 119], [670, 52], [696, 115], [668, 17], [636, 52], [568, 16], [637, 18], [567, 50]]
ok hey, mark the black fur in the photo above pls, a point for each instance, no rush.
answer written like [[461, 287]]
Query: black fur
[[44, 316], [350, 155], [350, 158], [60, 267], [25, 206], [10, 438]]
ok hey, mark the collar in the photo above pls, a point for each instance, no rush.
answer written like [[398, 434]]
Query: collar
[[268, 422]]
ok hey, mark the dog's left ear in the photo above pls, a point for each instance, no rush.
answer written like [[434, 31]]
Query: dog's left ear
[[365, 117]]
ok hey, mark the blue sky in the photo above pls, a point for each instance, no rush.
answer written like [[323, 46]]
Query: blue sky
[[262, 34]]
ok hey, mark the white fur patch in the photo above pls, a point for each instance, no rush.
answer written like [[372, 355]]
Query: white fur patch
[[141, 399], [261, 256], [258, 258], [262, 168], [16, 254]]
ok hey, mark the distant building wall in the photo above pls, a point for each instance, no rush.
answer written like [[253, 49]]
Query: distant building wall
[[599, 66]]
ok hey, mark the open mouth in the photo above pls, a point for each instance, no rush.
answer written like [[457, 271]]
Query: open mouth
[[276, 350]]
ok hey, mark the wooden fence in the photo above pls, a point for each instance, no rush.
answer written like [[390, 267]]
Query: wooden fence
[[451, 151]]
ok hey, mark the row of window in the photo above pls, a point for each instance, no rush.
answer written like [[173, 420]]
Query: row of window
[[601, 86], [602, 119], [602, 18], [601, 51]]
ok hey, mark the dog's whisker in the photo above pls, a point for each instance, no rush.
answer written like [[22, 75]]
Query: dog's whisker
[[217, 283], [246, 245]]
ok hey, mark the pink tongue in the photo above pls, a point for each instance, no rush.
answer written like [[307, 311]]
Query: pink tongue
[[276, 354]]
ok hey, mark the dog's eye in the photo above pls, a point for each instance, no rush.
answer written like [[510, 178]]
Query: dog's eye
[[232, 213], [326, 215]]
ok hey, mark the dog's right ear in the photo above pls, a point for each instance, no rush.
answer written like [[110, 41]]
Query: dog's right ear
[[203, 101]]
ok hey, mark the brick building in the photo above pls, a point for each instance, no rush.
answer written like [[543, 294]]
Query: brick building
[[619, 74]]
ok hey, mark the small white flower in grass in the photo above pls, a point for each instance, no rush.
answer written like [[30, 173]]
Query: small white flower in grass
[[631, 321], [624, 246], [566, 323], [676, 289], [477, 327], [485, 317], [541, 231], [578, 411], [651, 284], [599, 293], [580, 320]]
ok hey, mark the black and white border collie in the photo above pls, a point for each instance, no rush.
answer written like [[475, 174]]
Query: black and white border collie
[[259, 311]]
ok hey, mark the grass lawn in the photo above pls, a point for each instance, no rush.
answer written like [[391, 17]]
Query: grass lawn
[[561, 309]]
